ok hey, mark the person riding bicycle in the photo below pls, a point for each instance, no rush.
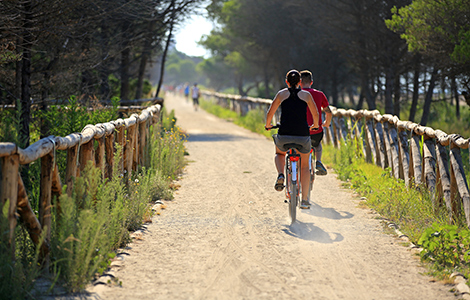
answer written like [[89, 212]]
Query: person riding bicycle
[[322, 103], [293, 129]]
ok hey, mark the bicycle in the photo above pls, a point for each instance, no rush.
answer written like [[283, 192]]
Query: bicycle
[[292, 171]]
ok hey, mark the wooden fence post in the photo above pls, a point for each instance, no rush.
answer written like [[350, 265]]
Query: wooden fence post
[[443, 184], [86, 154], [109, 149], [393, 142], [100, 155], [143, 128], [371, 144], [45, 203], [72, 168], [129, 149], [459, 179], [429, 166], [381, 150], [121, 141], [9, 191], [404, 150], [415, 158], [136, 150]]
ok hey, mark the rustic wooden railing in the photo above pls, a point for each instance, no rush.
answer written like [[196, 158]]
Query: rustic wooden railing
[[417, 154], [130, 133]]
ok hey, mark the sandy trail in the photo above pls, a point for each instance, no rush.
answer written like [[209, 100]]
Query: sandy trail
[[226, 235]]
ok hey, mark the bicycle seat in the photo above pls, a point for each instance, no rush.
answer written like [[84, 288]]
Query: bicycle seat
[[293, 145]]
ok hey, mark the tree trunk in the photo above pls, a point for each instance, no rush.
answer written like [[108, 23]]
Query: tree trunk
[[334, 87], [147, 48], [24, 137], [367, 93], [125, 53], [165, 51], [389, 84], [414, 102], [396, 96], [360, 102], [266, 82], [428, 99], [455, 93]]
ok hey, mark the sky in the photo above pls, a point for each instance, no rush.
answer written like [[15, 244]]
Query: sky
[[190, 33]]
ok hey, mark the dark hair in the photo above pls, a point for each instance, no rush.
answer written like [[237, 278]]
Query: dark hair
[[293, 78], [306, 76]]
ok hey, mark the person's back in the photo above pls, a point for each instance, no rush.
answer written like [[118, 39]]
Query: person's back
[[292, 121]]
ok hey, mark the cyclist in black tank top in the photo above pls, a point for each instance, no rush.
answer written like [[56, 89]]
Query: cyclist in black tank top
[[293, 122], [294, 129]]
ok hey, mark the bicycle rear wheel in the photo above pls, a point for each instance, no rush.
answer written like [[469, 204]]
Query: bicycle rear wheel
[[294, 183], [293, 202]]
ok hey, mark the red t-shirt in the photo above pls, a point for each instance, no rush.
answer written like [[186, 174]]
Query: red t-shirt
[[321, 102]]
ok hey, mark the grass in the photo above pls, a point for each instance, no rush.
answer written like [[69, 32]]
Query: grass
[[254, 120], [95, 220], [445, 244]]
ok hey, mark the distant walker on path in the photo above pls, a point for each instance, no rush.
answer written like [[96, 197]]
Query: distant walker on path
[[195, 93]]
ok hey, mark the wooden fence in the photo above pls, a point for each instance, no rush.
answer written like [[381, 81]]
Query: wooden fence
[[417, 154], [130, 133]]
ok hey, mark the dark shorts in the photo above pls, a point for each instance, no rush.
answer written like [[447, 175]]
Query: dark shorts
[[281, 140], [316, 139], [196, 100]]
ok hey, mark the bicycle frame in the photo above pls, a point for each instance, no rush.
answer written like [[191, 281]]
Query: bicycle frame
[[292, 182]]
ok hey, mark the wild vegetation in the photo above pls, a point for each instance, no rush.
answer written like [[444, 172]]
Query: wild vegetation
[[50, 50], [90, 225], [384, 54], [445, 245]]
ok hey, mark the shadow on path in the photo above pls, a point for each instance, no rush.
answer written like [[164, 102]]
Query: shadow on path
[[329, 213], [310, 232], [214, 137]]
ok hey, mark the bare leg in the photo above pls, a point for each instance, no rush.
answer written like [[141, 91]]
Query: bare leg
[[304, 175], [318, 152], [280, 161]]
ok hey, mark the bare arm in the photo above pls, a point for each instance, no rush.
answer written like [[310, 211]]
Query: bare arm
[[329, 115], [272, 110], [313, 110]]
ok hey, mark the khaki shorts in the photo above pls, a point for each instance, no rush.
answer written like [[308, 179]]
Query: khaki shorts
[[303, 141]]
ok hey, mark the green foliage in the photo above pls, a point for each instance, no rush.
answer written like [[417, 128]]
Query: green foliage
[[74, 116], [254, 120], [87, 227], [435, 27], [10, 125], [447, 246], [91, 224], [181, 68], [16, 278], [167, 150], [218, 111]]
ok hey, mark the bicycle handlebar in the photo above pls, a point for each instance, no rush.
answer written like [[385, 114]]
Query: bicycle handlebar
[[279, 125]]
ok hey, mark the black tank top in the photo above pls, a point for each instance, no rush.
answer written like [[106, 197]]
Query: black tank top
[[294, 115]]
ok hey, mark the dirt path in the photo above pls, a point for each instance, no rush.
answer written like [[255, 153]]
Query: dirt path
[[226, 235]]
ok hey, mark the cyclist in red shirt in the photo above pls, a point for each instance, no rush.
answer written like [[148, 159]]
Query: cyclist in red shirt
[[322, 104]]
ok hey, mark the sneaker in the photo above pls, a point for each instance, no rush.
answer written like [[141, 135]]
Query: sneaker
[[304, 204], [279, 186], [321, 170]]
